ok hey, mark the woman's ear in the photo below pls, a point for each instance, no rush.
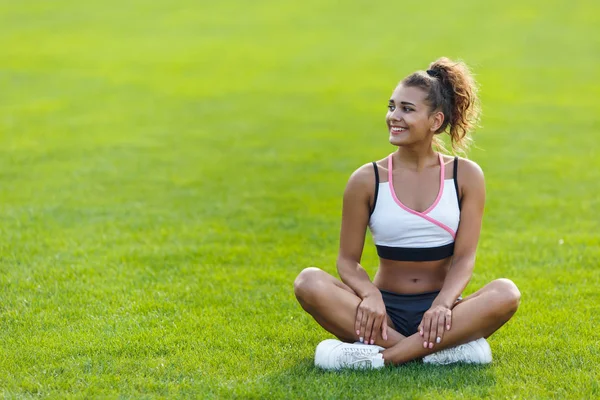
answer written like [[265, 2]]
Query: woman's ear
[[437, 121]]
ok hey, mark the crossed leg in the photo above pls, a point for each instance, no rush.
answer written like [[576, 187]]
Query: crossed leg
[[333, 305]]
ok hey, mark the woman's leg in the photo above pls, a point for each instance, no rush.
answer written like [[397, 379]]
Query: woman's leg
[[333, 305], [478, 315]]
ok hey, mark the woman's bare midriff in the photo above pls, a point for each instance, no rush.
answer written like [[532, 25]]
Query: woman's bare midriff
[[411, 277]]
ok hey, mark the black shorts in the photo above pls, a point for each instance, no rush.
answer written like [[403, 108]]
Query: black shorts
[[406, 310]]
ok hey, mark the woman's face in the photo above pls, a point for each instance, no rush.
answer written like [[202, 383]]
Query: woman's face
[[409, 118]]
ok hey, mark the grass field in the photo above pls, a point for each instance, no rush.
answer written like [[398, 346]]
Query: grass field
[[167, 169]]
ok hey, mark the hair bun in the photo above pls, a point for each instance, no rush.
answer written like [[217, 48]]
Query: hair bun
[[434, 73]]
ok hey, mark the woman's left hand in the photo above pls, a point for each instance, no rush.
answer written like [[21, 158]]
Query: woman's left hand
[[435, 320]]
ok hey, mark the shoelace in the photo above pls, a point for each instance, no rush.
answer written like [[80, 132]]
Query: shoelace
[[450, 355], [353, 356]]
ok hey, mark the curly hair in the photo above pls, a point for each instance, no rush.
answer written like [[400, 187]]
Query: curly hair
[[451, 89]]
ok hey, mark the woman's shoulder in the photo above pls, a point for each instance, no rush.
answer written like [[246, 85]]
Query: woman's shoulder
[[467, 169], [365, 176], [469, 176], [470, 170]]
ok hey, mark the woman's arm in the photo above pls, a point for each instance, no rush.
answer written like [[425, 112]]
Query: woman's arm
[[439, 316], [355, 218], [467, 237], [358, 197]]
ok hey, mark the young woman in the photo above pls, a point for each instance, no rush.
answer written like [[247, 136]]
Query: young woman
[[424, 210]]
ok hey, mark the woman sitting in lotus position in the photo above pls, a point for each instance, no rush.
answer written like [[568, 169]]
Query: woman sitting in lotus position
[[424, 210]]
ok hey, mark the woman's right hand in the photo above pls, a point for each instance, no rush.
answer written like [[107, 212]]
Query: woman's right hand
[[371, 318]]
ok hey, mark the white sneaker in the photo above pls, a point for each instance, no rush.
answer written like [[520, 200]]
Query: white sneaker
[[475, 352], [333, 354]]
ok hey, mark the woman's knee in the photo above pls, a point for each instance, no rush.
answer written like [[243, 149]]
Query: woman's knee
[[507, 295], [307, 283]]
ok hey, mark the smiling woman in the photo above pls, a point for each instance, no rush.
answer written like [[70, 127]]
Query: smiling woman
[[451, 90], [424, 210]]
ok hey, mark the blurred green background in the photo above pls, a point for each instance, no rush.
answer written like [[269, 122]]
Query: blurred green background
[[167, 169]]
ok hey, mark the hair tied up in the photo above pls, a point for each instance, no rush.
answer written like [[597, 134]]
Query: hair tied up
[[454, 93], [433, 73]]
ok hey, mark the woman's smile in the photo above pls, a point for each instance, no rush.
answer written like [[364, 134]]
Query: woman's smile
[[397, 130]]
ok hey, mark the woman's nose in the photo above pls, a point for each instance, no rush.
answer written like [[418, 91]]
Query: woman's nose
[[396, 115]]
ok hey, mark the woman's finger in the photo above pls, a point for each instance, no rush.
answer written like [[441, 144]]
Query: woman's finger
[[369, 327], [358, 321], [448, 319], [440, 328], [426, 328], [363, 326], [432, 330], [384, 328], [379, 321]]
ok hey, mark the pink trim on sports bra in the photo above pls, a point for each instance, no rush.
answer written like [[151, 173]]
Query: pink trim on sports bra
[[435, 203]]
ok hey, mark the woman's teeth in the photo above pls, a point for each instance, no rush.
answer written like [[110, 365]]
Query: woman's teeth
[[397, 129]]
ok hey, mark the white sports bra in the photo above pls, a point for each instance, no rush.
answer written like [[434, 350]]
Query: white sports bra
[[403, 234]]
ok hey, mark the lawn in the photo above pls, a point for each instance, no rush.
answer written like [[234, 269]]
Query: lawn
[[168, 168]]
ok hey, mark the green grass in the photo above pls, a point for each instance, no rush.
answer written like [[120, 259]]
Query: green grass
[[167, 169]]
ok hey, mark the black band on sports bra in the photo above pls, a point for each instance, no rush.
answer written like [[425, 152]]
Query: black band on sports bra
[[415, 254], [376, 187], [456, 180]]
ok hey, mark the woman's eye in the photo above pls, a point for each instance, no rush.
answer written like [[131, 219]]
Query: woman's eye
[[407, 109], [391, 107]]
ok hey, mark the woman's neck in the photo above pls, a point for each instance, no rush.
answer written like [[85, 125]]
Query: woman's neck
[[415, 158]]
